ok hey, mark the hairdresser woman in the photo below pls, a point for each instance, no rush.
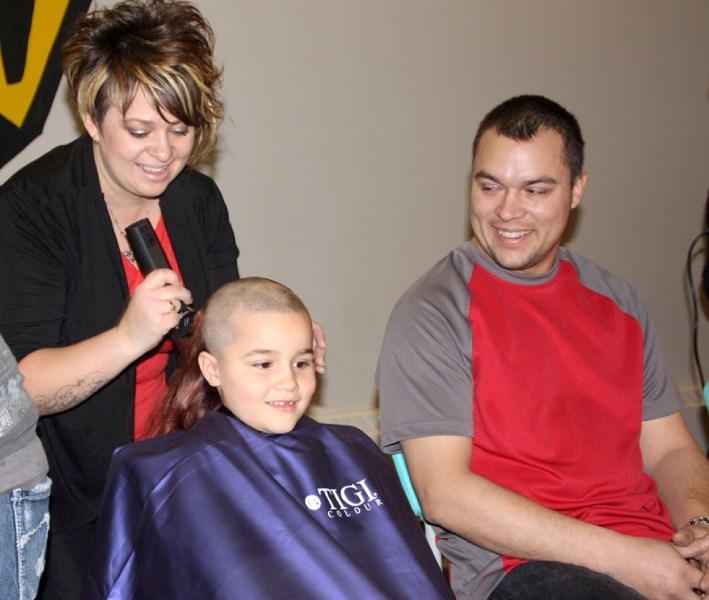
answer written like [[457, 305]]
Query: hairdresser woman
[[88, 331]]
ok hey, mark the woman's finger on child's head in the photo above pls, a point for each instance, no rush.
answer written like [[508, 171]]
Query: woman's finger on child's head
[[319, 347]]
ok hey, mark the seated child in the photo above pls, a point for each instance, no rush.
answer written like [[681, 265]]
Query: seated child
[[246, 497]]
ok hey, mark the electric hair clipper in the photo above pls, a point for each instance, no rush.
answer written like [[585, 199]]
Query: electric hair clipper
[[149, 255]]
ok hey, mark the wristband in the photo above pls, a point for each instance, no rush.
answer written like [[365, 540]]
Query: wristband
[[699, 521]]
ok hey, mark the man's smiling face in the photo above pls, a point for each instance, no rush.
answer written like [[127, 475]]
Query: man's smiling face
[[521, 199]]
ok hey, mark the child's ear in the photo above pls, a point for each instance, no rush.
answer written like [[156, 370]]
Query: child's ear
[[209, 366]]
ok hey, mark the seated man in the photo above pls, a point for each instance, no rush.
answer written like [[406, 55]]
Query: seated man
[[528, 391]]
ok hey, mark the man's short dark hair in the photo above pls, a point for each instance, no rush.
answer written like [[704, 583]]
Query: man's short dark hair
[[521, 117]]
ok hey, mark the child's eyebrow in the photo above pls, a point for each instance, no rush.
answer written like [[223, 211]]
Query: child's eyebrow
[[258, 351]]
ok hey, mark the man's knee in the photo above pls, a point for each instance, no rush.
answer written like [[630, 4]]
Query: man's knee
[[544, 580]]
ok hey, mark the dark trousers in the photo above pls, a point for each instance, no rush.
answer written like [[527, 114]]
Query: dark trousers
[[67, 562], [542, 580]]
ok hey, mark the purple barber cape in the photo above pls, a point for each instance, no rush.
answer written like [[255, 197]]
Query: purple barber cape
[[222, 511]]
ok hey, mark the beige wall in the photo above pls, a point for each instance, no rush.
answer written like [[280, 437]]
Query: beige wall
[[345, 155]]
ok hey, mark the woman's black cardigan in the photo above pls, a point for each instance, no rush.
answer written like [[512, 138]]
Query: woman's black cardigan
[[63, 281]]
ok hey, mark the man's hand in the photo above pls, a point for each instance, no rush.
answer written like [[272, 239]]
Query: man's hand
[[681, 471], [692, 543], [654, 568]]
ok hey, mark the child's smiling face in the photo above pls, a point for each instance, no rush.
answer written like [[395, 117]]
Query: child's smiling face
[[265, 374]]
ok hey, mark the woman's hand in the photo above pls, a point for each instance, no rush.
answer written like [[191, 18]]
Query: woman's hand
[[60, 378], [153, 311], [319, 347]]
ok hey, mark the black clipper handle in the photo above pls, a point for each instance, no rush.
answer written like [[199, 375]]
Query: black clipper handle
[[149, 255]]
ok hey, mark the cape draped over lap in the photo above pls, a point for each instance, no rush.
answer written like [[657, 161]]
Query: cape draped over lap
[[221, 511]]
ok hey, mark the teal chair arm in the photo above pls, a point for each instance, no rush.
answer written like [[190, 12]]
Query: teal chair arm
[[402, 470]]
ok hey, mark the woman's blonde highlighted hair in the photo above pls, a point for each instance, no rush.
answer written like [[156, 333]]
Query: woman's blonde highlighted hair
[[165, 47]]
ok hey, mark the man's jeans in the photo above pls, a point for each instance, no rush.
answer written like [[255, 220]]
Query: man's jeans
[[24, 523], [542, 580]]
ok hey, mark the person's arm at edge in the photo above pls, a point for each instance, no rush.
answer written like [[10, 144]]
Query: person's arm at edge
[[504, 522]]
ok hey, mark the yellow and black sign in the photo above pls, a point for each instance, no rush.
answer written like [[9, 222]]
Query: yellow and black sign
[[31, 36]]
